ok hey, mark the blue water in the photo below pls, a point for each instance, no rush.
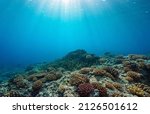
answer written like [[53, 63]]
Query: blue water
[[33, 31]]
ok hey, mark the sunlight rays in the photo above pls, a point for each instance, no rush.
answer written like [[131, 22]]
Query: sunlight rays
[[67, 9]]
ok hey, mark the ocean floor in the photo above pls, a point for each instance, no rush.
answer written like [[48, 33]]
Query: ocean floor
[[80, 74]]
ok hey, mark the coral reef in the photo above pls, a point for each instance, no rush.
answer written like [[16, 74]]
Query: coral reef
[[77, 79], [135, 90], [102, 90], [133, 76], [85, 89], [76, 60], [12, 93], [80, 74], [37, 85], [86, 70]]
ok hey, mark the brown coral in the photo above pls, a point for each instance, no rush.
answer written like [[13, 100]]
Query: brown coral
[[146, 88], [77, 79], [53, 75], [106, 71], [130, 66], [135, 57], [85, 70], [117, 86], [36, 76], [142, 65], [114, 72], [61, 88], [109, 85], [37, 85], [131, 75], [20, 82], [99, 72], [102, 90]]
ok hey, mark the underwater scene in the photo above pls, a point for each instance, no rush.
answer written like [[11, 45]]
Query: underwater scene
[[74, 48]]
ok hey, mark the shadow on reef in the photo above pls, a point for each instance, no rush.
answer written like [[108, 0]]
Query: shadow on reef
[[80, 74]]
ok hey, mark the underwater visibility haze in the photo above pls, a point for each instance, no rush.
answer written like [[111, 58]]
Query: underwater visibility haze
[[33, 31], [36, 32]]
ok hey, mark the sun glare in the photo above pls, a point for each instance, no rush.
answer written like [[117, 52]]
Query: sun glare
[[66, 8]]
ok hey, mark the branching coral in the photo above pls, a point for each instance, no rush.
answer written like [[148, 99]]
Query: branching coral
[[109, 86], [117, 86], [85, 89], [102, 90], [77, 79], [85, 70], [106, 71], [130, 66], [114, 72], [52, 76], [146, 88], [133, 76], [99, 72], [135, 90], [112, 86], [20, 82]]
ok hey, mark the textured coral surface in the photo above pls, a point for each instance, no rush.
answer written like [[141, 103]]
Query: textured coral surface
[[80, 74]]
